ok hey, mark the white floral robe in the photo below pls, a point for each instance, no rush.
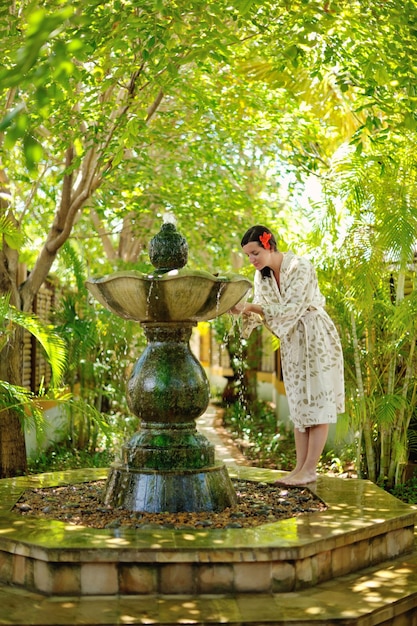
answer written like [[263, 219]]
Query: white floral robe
[[311, 353]]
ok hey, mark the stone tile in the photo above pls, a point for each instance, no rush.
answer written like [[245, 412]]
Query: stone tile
[[381, 591], [19, 570], [219, 556], [305, 573], [6, 566], [253, 577], [215, 579], [247, 563], [324, 565], [295, 540], [185, 610], [408, 605], [409, 619], [91, 611], [137, 579], [360, 554], [379, 549], [138, 610], [256, 609], [220, 610], [283, 577], [66, 580], [177, 578], [99, 579], [400, 541], [345, 519], [341, 561], [42, 577]]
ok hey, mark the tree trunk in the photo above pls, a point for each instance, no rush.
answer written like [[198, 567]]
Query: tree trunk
[[12, 439], [365, 425], [12, 446]]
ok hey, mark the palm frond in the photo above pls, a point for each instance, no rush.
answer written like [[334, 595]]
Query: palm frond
[[386, 408], [87, 410], [12, 235], [53, 345], [14, 397], [73, 259]]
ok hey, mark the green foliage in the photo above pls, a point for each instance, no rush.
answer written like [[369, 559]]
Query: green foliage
[[26, 404], [375, 301], [59, 458], [11, 234], [407, 492], [117, 112], [22, 401], [51, 342], [267, 442]]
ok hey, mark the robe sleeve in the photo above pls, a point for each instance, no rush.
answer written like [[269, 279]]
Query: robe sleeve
[[299, 292]]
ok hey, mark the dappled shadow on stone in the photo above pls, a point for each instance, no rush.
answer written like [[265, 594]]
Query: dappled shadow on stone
[[82, 504]]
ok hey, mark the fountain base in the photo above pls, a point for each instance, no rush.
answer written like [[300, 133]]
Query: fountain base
[[151, 491]]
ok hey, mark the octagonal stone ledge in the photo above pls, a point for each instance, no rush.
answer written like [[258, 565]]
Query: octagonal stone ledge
[[362, 526]]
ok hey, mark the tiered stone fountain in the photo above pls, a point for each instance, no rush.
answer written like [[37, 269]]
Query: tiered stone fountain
[[68, 574], [168, 465]]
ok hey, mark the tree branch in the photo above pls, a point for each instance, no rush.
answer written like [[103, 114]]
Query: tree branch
[[154, 106]]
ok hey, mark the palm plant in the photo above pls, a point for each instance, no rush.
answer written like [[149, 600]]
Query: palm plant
[[376, 303], [23, 401]]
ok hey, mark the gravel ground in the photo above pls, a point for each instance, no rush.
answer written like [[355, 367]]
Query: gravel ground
[[82, 505]]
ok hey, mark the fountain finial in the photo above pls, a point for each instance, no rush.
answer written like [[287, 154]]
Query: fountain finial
[[168, 249]]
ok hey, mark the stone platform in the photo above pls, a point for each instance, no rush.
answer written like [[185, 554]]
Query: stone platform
[[362, 526], [384, 595], [353, 564]]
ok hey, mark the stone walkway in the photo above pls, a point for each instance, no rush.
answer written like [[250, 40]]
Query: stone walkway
[[210, 425]]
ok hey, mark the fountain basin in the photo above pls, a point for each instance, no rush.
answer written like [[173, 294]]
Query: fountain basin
[[177, 295]]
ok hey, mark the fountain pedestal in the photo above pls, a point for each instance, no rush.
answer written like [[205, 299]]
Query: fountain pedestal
[[167, 465]]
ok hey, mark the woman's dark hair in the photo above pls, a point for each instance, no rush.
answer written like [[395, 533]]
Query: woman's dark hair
[[257, 233]]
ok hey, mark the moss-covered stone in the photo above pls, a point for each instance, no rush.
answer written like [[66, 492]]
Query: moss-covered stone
[[168, 250]]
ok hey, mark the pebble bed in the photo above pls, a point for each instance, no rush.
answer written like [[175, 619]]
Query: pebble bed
[[82, 505]]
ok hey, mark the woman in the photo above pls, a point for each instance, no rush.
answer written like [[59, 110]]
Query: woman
[[288, 301]]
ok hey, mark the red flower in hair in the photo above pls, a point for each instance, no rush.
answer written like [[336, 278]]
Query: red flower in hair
[[264, 239]]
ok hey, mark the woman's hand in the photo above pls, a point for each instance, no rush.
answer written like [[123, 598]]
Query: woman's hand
[[239, 308], [246, 309]]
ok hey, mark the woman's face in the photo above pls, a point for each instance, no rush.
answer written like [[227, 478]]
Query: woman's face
[[257, 255]]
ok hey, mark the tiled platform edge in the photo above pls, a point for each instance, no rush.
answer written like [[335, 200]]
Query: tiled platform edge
[[362, 526], [382, 595]]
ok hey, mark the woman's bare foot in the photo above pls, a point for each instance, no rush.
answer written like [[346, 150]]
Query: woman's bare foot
[[283, 480], [299, 479]]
